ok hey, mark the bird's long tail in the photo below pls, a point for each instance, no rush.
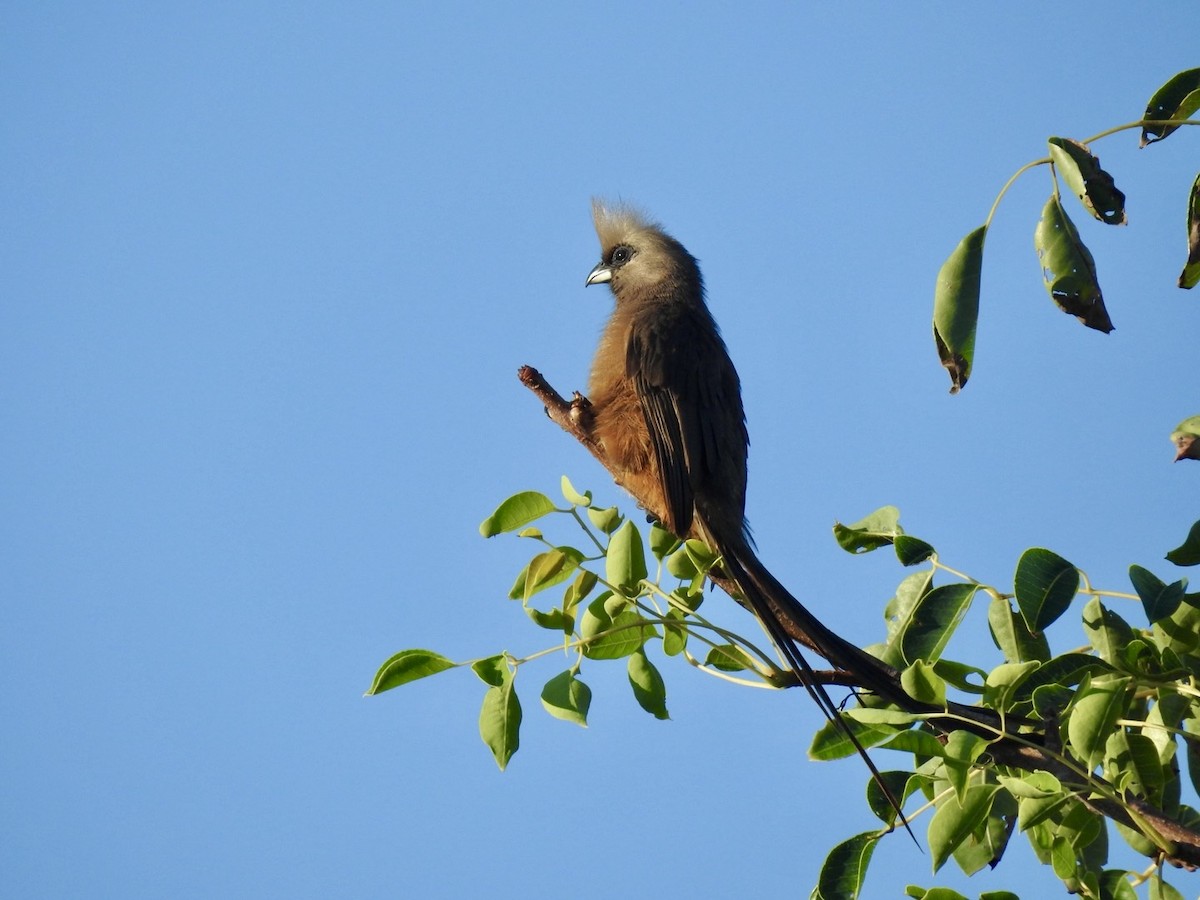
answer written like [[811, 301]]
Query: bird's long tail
[[773, 604]]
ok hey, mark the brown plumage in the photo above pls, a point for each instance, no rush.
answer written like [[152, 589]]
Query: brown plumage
[[667, 412]]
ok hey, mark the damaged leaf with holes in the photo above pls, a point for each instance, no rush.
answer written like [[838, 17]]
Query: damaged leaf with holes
[[1094, 187], [1177, 99], [956, 307], [1068, 269]]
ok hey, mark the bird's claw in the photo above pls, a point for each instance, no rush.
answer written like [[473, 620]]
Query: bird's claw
[[581, 411]]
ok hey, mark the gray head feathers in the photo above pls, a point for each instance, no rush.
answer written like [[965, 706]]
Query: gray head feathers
[[617, 223], [638, 255]]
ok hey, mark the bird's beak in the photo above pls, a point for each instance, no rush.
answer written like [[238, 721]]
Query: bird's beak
[[599, 275]]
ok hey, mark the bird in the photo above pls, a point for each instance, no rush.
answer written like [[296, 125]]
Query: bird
[[665, 408]]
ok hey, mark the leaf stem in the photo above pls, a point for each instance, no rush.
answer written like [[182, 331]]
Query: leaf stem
[[587, 530], [1017, 174], [717, 673], [963, 576], [1140, 123]]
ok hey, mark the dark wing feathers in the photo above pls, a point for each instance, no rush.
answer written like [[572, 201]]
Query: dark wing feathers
[[651, 378], [683, 411]]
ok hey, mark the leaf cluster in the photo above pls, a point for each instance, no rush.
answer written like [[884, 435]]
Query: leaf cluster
[[1067, 265], [608, 609], [1115, 718]]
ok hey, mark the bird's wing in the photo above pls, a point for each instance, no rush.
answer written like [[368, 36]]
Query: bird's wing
[[679, 416]]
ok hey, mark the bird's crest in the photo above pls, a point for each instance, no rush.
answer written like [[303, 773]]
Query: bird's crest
[[617, 223]]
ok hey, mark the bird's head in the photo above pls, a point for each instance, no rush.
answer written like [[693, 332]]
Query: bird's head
[[637, 258]]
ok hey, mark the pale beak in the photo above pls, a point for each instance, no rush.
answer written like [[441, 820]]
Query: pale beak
[[599, 275]]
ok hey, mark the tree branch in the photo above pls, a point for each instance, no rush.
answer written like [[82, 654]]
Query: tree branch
[[573, 415]]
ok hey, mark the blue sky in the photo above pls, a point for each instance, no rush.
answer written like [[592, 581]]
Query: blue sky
[[268, 274]]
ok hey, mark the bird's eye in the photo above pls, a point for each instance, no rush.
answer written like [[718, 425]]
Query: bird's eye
[[621, 255]]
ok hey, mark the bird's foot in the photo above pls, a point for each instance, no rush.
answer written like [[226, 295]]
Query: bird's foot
[[581, 412]]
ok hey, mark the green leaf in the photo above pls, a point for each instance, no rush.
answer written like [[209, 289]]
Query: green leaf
[[1114, 885], [1177, 99], [1140, 658], [1192, 748], [545, 570], [1087, 835], [1141, 844], [898, 612], [1131, 763], [901, 785], [728, 658], [675, 636], [921, 744], [923, 684], [1168, 712], [1106, 631], [985, 846], [1062, 858], [609, 636], [911, 551], [551, 620], [1161, 890], [1160, 600], [406, 666], [956, 307], [1002, 682], [1068, 269], [830, 741], [701, 554], [932, 621], [648, 687], [1049, 700], [515, 512], [845, 868], [1032, 786], [1033, 812], [1091, 184], [1179, 633], [1066, 670], [877, 530], [686, 599], [625, 565], [1012, 636], [962, 750], [573, 496], [1098, 705], [493, 670], [680, 564], [500, 721], [955, 820], [881, 715], [963, 676], [1045, 584], [1188, 553], [583, 584], [933, 893], [566, 697], [1186, 438], [662, 541], [606, 520], [1190, 276]]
